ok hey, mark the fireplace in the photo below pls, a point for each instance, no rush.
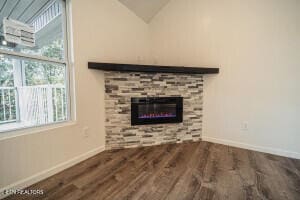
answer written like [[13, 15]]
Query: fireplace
[[156, 110]]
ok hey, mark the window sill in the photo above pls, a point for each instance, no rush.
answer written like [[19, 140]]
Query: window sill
[[36, 129]]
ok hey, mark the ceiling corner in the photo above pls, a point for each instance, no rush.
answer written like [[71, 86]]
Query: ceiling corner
[[145, 9]]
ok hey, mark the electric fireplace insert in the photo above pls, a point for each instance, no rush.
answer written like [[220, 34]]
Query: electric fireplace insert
[[156, 110]]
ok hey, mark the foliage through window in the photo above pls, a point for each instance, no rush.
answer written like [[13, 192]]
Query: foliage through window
[[33, 78]]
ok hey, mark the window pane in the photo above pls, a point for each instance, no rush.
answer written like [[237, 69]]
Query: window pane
[[31, 93], [45, 16], [43, 74], [7, 91], [6, 72]]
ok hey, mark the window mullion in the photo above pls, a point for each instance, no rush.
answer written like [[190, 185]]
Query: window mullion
[[31, 57], [18, 82]]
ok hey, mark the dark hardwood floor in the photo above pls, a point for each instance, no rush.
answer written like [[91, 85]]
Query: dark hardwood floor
[[199, 170]]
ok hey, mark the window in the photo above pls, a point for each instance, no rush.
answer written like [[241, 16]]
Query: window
[[33, 63]]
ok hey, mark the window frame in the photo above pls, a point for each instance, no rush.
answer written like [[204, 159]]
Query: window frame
[[67, 62]]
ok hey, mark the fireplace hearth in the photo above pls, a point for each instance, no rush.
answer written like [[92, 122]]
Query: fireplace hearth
[[156, 110]]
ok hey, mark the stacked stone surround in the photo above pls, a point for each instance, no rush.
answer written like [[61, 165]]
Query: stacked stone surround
[[121, 86]]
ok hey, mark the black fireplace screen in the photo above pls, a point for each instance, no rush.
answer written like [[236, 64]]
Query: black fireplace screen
[[156, 110]]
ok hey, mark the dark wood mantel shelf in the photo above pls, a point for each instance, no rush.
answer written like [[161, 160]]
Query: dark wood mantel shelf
[[152, 68]]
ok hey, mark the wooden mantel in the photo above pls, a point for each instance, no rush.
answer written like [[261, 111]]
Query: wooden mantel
[[152, 68]]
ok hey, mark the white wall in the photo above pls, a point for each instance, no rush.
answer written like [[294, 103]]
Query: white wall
[[104, 30], [256, 43]]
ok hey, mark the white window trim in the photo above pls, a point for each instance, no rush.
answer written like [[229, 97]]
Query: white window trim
[[70, 61], [70, 84]]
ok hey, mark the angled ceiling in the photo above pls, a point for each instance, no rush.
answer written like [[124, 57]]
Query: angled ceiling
[[145, 9]]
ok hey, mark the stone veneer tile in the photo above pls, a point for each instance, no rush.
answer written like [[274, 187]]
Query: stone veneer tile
[[121, 86]]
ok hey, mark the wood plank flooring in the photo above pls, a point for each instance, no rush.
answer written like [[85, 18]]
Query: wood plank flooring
[[199, 170]]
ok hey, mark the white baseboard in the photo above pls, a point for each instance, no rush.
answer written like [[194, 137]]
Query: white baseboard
[[270, 150], [49, 172]]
